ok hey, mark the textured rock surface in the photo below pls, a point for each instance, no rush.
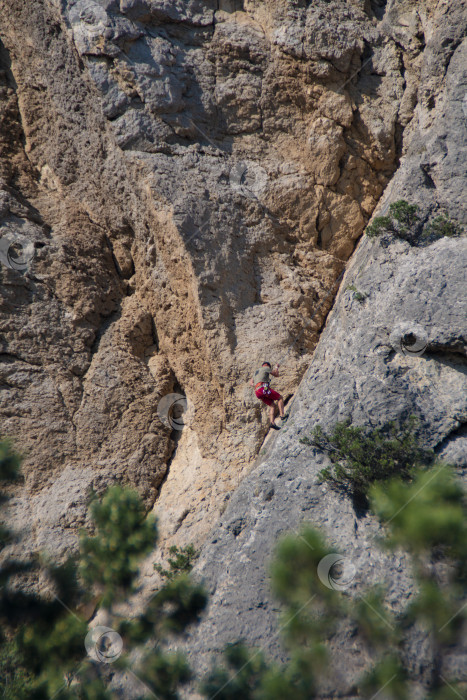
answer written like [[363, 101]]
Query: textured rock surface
[[356, 373], [193, 176]]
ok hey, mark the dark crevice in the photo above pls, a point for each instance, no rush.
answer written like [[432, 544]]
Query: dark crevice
[[10, 357], [428, 180], [175, 436], [452, 350], [460, 431], [117, 267], [360, 505], [107, 322], [155, 335], [230, 5], [399, 128], [378, 8], [5, 68]]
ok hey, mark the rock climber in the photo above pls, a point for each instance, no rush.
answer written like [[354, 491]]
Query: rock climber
[[261, 381]]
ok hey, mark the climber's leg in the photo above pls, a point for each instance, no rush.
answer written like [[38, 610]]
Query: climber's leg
[[277, 398], [280, 403], [269, 397], [271, 411]]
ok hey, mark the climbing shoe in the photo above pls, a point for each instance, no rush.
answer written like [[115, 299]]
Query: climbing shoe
[[274, 426]]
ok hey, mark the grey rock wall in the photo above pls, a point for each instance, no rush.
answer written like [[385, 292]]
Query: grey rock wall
[[358, 372]]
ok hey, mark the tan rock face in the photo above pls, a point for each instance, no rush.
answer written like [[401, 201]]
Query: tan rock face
[[193, 179]]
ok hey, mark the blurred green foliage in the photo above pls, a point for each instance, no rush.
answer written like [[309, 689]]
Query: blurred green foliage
[[15, 678], [124, 534], [426, 519], [43, 652], [425, 516]]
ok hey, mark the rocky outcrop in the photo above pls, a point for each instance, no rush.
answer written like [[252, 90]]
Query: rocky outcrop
[[193, 177], [188, 181], [358, 371]]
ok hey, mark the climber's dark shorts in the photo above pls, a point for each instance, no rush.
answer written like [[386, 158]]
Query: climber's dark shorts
[[266, 394]]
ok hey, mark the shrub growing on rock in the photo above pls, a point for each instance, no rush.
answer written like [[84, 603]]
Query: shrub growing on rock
[[441, 226], [403, 222], [357, 295], [361, 456], [181, 561]]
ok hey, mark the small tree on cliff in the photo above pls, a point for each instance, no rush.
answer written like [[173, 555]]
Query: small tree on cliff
[[361, 456], [402, 222]]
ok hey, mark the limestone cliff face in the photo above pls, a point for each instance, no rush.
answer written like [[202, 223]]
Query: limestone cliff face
[[359, 372], [193, 177]]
